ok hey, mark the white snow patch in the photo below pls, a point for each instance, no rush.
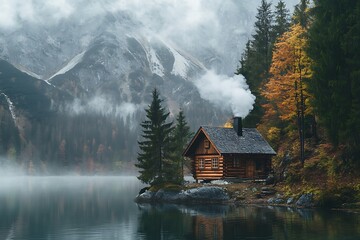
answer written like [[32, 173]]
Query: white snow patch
[[28, 72], [34, 75], [155, 66], [70, 65], [181, 64], [11, 107]]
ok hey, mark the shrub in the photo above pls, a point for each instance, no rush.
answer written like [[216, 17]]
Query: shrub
[[335, 197]]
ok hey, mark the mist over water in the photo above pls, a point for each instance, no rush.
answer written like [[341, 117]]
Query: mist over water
[[69, 207], [9, 167]]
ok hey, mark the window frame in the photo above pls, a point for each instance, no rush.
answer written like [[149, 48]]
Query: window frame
[[214, 163], [201, 163], [206, 144]]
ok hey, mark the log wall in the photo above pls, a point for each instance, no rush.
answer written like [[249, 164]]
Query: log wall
[[249, 166], [207, 171]]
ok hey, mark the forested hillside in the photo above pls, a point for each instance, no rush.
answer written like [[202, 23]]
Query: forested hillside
[[40, 136], [304, 69]]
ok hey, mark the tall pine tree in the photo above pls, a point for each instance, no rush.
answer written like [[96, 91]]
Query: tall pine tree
[[155, 158], [281, 20], [255, 62], [301, 14], [182, 136]]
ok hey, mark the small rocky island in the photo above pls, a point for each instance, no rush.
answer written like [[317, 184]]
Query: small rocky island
[[222, 192], [205, 194]]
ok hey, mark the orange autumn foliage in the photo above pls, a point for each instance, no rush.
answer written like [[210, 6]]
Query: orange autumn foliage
[[289, 71]]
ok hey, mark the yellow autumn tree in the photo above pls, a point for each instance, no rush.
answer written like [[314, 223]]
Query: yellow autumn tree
[[286, 90], [289, 71]]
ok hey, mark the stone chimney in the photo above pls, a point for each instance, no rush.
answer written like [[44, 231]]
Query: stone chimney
[[237, 125]]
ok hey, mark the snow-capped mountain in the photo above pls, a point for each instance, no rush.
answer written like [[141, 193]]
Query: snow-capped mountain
[[112, 56], [119, 51], [75, 77]]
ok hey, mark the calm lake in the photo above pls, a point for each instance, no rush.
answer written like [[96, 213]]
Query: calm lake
[[75, 208]]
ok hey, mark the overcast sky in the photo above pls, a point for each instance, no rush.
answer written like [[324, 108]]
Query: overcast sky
[[190, 12], [193, 23]]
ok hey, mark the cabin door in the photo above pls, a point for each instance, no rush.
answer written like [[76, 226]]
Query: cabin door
[[250, 169]]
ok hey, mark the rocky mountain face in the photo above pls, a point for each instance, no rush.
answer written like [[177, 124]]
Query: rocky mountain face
[[103, 68]]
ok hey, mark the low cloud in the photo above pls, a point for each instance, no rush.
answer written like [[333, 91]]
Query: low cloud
[[15, 12], [103, 105], [229, 93]]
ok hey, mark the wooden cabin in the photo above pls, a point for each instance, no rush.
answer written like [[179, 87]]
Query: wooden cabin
[[222, 153]]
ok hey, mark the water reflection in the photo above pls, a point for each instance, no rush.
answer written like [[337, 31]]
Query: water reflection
[[247, 222], [103, 208], [67, 207]]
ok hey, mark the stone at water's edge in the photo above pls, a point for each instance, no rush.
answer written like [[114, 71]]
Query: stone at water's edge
[[217, 194], [290, 201], [306, 200], [201, 194]]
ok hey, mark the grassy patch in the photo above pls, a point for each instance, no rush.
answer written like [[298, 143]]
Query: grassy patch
[[167, 187]]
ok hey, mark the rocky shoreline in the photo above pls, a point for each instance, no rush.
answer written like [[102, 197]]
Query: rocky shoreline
[[214, 194], [206, 194]]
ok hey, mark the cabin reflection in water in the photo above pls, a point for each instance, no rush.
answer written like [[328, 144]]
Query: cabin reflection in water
[[208, 228], [238, 224]]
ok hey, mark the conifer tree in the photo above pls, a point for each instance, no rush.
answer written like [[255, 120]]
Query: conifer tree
[[301, 14], [182, 136], [255, 62], [155, 160], [262, 41], [281, 21]]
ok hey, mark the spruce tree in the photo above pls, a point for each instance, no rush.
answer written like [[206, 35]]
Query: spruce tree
[[281, 21], [262, 41], [154, 159], [301, 14], [255, 61], [182, 136]]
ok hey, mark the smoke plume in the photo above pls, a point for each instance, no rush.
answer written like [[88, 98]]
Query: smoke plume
[[229, 93]]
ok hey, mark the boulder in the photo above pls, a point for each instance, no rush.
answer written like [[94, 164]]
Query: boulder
[[206, 194], [306, 200], [146, 196], [290, 201], [197, 195], [167, 196], [275, 200]]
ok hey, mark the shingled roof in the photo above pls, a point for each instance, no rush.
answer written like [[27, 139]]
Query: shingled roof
[[226, 140]]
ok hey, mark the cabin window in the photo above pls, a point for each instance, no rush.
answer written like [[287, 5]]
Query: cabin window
[[215, 163], [207, 144], [236, 162], [201, 163]]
